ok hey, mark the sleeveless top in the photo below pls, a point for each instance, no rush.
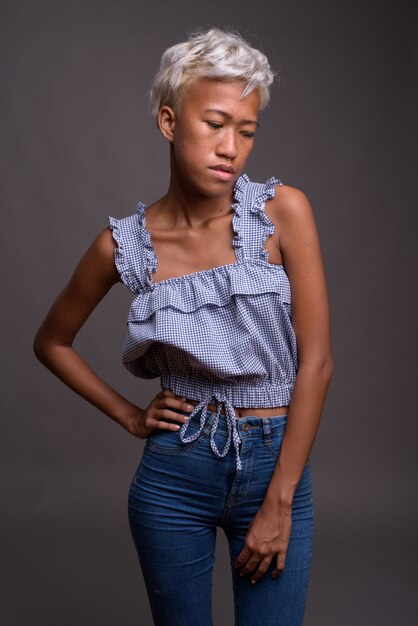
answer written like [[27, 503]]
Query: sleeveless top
[[223, 333]]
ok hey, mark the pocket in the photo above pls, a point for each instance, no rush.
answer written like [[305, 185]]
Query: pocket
[[166, 441]]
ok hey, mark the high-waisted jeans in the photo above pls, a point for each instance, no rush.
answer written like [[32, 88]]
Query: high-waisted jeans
[[181, 493]]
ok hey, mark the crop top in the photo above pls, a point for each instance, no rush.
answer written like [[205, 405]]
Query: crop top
[[223, 333]]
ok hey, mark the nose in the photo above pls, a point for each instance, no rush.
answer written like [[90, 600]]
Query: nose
[[227, 147]]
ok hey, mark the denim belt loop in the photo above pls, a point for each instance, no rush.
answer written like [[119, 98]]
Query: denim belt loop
[[267, 430]]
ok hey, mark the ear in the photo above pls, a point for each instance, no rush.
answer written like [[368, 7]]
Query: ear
[[166, 122]]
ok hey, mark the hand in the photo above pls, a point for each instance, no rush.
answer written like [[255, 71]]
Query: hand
[[161, 408], [267, 537]]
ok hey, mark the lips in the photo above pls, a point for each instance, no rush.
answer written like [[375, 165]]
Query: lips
[[223, 168], [223, 172]]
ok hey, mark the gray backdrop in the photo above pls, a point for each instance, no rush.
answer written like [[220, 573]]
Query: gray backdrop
[[77, 145]]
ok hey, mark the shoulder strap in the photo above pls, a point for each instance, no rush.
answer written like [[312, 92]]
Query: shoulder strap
[[256, 225], [130, 254]]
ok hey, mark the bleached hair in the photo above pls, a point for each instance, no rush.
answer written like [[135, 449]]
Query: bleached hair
[[212, 54]]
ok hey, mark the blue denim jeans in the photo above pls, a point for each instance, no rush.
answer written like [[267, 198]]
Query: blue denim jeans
[[179, 496]]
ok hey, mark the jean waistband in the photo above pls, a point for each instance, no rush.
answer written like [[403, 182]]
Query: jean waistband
[[250, 424], [213, 421]]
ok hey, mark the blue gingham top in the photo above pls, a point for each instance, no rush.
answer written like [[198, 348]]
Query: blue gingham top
[[223, 333]]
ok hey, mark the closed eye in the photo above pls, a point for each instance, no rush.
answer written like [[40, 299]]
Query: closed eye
[[215, 125], [248, 133]]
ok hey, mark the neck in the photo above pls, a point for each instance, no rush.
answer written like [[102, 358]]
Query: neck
[[185, 206]]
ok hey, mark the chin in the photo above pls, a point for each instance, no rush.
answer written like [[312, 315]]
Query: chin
[[219, 189], [220, 186], [211, 189]]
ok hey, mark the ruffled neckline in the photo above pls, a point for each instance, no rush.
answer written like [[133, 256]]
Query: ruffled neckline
[[215, 286], [237, 241]]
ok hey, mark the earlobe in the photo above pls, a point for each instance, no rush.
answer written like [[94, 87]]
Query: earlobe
[[167, 122]]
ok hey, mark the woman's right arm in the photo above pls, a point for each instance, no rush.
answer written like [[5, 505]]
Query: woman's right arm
[[92, 279]]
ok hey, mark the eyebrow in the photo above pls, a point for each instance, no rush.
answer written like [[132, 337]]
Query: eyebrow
[[229, 117]]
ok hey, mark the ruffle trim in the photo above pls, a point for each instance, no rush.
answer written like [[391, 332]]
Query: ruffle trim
[[214, 286], [239, 191], [121, 262], [258, 206], [150, 254]]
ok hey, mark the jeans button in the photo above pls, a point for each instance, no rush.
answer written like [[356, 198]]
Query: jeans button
[[246, 427]]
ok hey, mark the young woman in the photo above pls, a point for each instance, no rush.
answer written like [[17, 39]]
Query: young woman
[[231, 311]]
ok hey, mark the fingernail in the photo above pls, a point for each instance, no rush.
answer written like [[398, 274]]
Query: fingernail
[[253, 581], [189, 407]]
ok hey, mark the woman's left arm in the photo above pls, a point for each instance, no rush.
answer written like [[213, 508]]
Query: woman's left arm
[[269, 532]]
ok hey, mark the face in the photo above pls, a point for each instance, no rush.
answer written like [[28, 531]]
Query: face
[[212, 136]]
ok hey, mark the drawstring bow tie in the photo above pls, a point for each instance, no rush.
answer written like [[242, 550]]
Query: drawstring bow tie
[[230, 418]]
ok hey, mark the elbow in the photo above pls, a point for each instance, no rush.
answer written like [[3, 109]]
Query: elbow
[[324, 369], [328, 368], [42, 346], [322, 366], [38, 347], [47, 347], [326, 364]]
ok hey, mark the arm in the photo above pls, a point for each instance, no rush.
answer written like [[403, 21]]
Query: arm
[[269, 532], [92, 279]]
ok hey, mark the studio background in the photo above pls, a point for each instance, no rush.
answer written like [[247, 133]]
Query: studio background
[[77, 144]]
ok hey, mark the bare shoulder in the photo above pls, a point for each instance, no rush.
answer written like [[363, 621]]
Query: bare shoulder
[[293, 218], [290, 203], [98, 261], [105, 243], [103, 247]]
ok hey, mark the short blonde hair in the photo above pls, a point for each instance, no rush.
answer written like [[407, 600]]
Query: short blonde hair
[[213, 54]]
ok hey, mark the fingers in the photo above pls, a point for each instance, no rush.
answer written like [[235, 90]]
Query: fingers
[[166, 398], [163, 410], [173, 402], [164, 393], [249, 562], [243, 557], [283, 547], [253, 562], [262, 568]]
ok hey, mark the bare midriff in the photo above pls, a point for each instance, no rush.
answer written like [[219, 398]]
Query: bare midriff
[[240, 412]]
